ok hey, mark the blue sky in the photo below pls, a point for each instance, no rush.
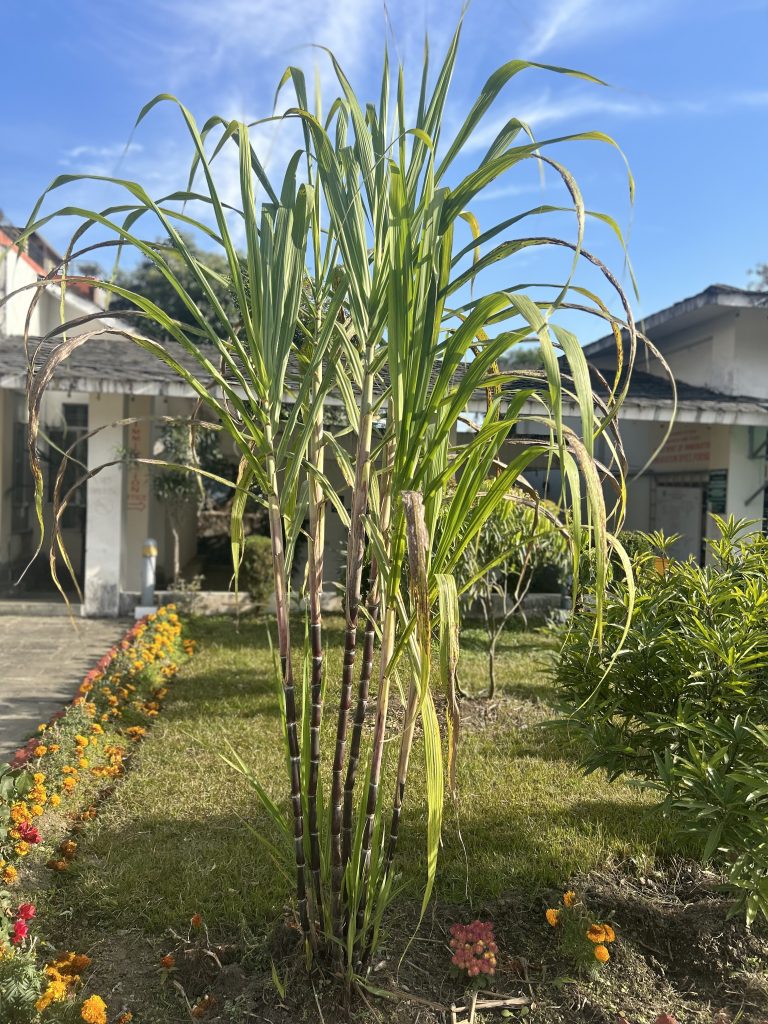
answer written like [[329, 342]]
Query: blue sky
[[688, 103]]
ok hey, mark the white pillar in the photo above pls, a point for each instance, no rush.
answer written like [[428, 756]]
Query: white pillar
[[746, 475], [106, 521]]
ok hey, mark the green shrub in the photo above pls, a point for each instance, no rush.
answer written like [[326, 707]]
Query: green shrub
[[256, 571], [682, 703]]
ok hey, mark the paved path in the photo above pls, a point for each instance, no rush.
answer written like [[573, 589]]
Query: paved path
[[42, 662]]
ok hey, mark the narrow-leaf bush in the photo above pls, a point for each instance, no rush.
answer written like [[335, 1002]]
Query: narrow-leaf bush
[[256, 570], [682, 702]]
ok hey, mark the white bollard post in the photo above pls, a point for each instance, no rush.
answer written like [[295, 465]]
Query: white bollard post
[[149, 568]]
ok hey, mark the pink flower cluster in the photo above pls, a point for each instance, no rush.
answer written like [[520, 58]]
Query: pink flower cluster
[[24, 914], [474, 948]]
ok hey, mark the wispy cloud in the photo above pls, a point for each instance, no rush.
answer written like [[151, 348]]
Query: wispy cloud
[[548, 108], [564, 23]]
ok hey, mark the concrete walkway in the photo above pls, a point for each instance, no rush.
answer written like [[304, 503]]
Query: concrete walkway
[[43, 659]]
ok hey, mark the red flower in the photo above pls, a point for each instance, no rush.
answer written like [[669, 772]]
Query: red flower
[[29, 833], [20, 932], [26, 911]]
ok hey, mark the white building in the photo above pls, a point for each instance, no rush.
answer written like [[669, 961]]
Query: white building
[[716, 344], [104, 381]]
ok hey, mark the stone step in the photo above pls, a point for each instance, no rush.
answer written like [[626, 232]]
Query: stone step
[[14, 606]]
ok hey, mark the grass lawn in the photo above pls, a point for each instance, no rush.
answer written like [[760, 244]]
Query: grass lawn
[[174, 840]]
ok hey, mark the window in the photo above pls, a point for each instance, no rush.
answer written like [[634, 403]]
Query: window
[[61, 439], [22, 485]]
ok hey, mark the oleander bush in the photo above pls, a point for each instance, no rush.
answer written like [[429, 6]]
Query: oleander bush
[[681, 702]]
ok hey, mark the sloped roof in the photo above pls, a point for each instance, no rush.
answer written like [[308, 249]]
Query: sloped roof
[[111, 364], [714, 300]]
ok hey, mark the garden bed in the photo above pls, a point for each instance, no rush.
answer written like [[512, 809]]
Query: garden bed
[[173, 842]]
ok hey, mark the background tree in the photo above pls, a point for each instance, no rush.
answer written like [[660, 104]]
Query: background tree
[[145, 279], [516, 541], [182, 444], [522, 357]]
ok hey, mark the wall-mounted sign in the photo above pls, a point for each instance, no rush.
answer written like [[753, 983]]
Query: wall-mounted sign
[[687, 447], [138, 477]]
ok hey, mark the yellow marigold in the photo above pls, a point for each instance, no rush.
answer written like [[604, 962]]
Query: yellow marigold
[[610, 934], [20, 813], [40, 751], [39, 778], [596, 933], [602, 954], [36, 810], [55, 800], [97, 729], [10, 874], [83, 762], [569, 898], [81, 741], [21, 848], [94, 1010], [553, 917], [54, 748], [56, 992]]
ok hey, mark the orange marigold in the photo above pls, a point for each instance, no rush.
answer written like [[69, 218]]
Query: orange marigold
[[94, 1010], [602, 954], [553, 917]]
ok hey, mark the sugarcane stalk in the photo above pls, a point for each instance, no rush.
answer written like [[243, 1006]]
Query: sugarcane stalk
[[315, 584], [377, 752], [417, 541], [366, 672], [355, 559], [289, 694]]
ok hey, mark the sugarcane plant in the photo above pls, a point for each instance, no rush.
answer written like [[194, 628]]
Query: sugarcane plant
[[364, 330]]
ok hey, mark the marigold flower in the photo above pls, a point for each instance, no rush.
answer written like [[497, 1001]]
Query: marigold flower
[[10, 874], [54, 800], [56, 992], [602, 954], [196, 921], [553, 917], [569, 898], [94, 1011], [168, 962], [40, 751], [68, 849], [610, 934], [124, 1018], [596, 933]]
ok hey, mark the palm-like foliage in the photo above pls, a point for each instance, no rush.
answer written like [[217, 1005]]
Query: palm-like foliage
[[363, 233]]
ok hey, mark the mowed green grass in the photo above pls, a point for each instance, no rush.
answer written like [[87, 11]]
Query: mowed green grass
[[176, 836]]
